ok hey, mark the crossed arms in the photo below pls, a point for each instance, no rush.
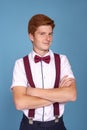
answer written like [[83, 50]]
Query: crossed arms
[[28, 98]]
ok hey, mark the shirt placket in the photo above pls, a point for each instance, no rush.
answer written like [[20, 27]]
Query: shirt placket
[[42, 86]]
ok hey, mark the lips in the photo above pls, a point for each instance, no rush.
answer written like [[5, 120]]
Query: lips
[[46, 43]]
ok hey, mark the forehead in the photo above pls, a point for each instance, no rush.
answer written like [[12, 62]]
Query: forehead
[[44, 28]]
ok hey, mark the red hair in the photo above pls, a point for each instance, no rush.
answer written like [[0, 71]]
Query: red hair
[[38, 20]]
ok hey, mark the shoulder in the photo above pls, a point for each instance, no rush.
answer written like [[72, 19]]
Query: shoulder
[[20, 60], [63, 57]]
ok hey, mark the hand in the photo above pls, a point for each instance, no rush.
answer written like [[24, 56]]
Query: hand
[[66, 81]]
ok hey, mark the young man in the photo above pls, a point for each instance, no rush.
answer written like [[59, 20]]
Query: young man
[[42, 90]]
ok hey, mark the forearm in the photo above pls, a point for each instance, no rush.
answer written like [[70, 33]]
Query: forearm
[[24, 101], [58, 94], [30, 102], [66, 92]]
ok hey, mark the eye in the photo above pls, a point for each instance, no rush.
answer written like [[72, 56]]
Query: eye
[[50, 34], [42, 33]]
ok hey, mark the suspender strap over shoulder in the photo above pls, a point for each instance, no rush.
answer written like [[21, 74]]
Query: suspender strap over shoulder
[[28, 71], [30, 80], [57, 79]]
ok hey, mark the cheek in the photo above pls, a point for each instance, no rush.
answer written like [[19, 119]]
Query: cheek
[[51, 39]]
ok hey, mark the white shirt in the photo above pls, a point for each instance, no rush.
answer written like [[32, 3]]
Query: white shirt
[[19, 79]]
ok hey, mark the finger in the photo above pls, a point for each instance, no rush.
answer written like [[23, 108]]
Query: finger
[[66, 81], [63, 80]]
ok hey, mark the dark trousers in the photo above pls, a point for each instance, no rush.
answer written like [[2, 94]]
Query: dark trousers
[[51, 125]]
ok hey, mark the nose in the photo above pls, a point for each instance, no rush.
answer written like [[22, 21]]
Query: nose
[[48, 37]]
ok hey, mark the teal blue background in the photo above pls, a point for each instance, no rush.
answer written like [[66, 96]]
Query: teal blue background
[[70, 38]]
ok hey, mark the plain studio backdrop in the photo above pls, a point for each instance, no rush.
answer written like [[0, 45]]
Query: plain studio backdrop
[[70, 38]]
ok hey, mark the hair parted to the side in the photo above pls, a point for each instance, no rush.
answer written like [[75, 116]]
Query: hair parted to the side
[[38, 20]]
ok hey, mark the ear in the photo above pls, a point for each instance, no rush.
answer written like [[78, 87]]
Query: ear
[[31, 37]]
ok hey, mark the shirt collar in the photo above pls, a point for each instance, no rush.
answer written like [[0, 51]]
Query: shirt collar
[[33, 53]]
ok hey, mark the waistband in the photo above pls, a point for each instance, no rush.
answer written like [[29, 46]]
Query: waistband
[[41, 123]]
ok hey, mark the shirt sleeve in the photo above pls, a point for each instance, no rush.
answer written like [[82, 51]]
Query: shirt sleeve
[[19, 76], [66, 67]]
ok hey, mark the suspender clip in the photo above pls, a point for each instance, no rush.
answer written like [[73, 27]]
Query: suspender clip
[[56, 119], [30, 120]]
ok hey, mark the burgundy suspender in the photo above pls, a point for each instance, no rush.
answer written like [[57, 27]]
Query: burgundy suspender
[[28, 71], [30, 80], [57, 79]]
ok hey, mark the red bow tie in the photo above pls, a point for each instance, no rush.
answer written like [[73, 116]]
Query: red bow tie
[[45, 59]]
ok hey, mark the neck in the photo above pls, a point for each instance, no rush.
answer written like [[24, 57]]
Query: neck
[[42, 53]]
